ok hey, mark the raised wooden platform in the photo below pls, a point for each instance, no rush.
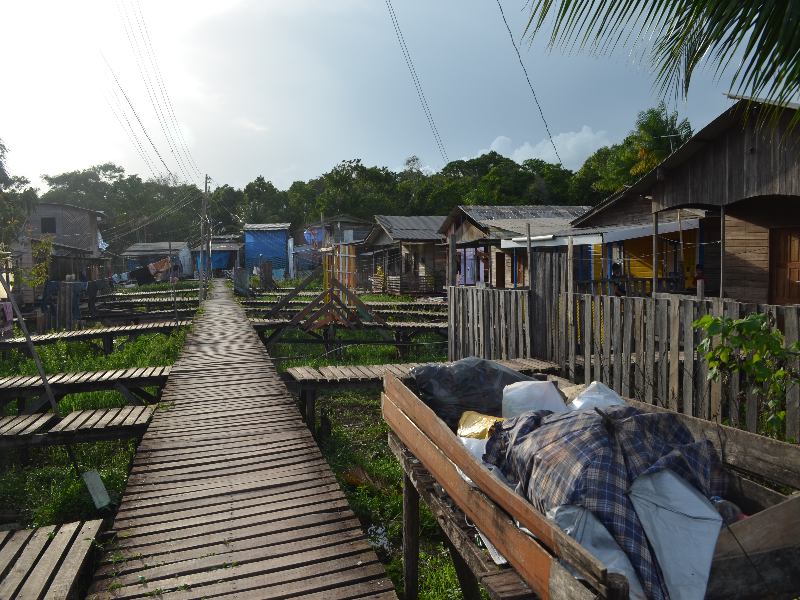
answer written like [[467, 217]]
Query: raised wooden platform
[[371, 376], [229, 494], [85, 335], [45, 562], [78, 427], [271, 324], [126, 381]]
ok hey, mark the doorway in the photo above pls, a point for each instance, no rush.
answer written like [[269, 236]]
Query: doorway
[[500, 270], [784, 265]]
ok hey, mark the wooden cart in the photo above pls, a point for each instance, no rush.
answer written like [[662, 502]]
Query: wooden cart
[[758, 557]]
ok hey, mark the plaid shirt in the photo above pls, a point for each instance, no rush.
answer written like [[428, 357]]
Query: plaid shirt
[[571, 458]]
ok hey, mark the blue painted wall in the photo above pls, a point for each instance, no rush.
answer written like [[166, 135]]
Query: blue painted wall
[[270, 244]]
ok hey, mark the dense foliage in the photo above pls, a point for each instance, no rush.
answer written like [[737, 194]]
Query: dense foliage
[[17, 201], [164, 209]]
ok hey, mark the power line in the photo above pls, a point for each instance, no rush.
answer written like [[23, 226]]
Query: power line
[[135, 145], [134, 42], [136, 114], [167, 101], [513, 43], [417, 84]]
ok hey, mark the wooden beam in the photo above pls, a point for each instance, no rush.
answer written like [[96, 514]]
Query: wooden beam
[[519, 508], [288, 297], [410, 539], [128, 395]]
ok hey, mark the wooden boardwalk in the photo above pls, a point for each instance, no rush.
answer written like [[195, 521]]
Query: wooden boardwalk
[[229, 495]]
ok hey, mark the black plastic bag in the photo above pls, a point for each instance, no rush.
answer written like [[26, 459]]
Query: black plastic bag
[[467, 384]]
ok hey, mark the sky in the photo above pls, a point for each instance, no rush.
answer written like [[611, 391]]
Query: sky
[[287, 90]]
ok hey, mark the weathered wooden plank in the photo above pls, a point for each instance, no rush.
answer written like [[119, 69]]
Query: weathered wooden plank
[[650, 375], [639, 340], [586, 336], [716, 386], [662, 325], [674, 353], [615, 348], [39, 578], [792, 326], [66, 578], [623, 366], [597, 337], [702, 387], [26, 561], [13, 547], [436, 446]]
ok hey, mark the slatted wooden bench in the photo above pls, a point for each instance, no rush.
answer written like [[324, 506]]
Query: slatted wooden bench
[[371, 376], [129, 382], [107, 334], [261, 325], [46, 562], [78, 427]]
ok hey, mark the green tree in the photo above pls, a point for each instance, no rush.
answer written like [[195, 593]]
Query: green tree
[[677, 35], [17, 201]]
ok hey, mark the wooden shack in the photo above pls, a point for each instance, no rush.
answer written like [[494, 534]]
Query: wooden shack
[[409, 251], [480, 230], [744, 172]]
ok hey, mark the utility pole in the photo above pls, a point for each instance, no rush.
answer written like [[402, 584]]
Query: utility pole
[[202, 243]]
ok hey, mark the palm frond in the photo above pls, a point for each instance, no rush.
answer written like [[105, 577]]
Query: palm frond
[[675, 36]]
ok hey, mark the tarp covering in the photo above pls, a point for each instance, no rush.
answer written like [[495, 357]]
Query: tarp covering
[[219, 260], [582, 459]]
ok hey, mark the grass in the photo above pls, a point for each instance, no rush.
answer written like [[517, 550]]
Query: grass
[[45, 489], [183, 286], [371, 479]]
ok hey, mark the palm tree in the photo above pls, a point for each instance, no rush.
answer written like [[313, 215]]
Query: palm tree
[[675, 35]]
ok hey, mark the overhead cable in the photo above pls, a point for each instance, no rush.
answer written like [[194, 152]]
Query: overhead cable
[[417, 84], [148, 84], [136, 114], [167, 101], [535, 99]]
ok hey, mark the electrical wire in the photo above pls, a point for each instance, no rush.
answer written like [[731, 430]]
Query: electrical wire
[[417, 83], [134, 42], [513, 43], [136, 114], [167, 101]]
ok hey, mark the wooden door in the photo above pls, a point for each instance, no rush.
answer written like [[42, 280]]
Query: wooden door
[[500, 270], [784, 265], [521, 260]]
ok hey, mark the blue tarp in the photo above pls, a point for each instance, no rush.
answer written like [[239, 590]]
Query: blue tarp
[[271, 245], [219, 260]]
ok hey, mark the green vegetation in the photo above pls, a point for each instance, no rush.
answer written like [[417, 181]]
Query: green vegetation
[[361, 191], [186, 288], [44, 488], [753, 347], [17, 201], [371, 479]]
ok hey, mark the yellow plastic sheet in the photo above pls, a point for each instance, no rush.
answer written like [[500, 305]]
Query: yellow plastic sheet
[[476, 425]]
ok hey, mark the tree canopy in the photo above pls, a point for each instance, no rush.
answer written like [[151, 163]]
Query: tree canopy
[[162, 209], [17, 201]]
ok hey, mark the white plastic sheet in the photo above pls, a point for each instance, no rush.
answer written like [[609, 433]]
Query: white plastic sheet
[[582, 526], [682, 527], [596, 395], [523, 396]]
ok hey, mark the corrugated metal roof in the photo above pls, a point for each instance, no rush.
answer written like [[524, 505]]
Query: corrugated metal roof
[[485, 215], [419, 229], [266, 226], [150, 248], [538, 226]]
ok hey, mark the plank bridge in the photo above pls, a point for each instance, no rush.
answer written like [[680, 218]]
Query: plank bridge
[[229, 495]]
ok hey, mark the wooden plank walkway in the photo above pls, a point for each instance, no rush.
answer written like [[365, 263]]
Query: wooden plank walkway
[[78, 427], [441, 327], [229, 495], [371, 376], [45, 562], [84, 335]]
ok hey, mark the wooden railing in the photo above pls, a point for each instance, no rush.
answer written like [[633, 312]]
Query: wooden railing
[[414, 284], [644, 348]]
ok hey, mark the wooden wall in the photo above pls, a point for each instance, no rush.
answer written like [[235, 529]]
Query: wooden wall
[[742, 162], [747, 225]]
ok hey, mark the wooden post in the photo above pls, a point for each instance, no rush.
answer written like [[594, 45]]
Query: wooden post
[[570, 311], [311, 411], [470, 590], [410, 539], [701, 289], [655, 255], [722, 251], [530, 259], [451, 275]]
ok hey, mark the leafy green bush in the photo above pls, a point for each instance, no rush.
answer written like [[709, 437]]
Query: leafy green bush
[[752, 347]]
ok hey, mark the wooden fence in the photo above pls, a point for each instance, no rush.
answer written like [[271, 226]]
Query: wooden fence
[[642, 348]]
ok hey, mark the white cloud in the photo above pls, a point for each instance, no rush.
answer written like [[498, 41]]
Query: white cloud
[[573, 147]]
